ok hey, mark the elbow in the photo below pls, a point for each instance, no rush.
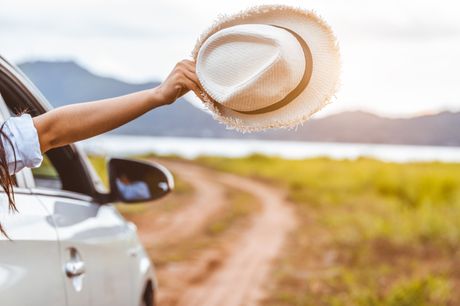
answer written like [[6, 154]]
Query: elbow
[[45, 142], [47, 136], [50, 141]]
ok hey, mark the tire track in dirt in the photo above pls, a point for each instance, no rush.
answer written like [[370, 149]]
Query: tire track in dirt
[[242, 274], [206, 201]]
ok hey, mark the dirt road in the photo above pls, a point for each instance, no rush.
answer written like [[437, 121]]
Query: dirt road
[[208, 197], [242, 273]]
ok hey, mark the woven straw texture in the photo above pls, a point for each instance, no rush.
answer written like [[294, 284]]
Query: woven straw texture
[[324, 80]]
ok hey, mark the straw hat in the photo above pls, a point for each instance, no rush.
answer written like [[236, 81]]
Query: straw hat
[[270, 66]]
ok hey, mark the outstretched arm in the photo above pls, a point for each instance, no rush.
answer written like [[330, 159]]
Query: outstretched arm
[[75, 122]]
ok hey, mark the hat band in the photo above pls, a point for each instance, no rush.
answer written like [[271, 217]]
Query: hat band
[[298, 89]]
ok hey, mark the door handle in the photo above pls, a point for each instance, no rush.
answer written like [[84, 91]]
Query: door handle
[[74, 268]]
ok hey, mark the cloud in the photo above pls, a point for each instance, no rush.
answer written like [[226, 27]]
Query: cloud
[[398, 56]]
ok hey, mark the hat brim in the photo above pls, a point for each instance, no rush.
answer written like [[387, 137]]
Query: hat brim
[[324, 80]]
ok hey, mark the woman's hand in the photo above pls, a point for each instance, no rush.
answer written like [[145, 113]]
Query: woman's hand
[[179, 82]]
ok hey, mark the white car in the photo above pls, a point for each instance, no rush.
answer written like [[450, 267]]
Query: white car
[[69, 245]]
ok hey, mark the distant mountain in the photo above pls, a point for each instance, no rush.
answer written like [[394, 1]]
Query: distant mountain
[[66, 82], [442, 129]]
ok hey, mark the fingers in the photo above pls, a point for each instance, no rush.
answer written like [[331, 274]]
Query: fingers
[[185, 78], [193, 77], [192, 85], [190, 66], [187, 67]]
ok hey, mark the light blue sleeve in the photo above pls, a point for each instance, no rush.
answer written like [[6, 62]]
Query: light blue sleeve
[[24, 139]]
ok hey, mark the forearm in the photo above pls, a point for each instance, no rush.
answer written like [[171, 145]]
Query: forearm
[[76, 122], [80, 121]]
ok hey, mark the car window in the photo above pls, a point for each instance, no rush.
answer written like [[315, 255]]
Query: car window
[[63, 168], [46, 175]]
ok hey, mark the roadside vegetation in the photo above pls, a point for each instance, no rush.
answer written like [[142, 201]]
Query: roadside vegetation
[[370, 233]]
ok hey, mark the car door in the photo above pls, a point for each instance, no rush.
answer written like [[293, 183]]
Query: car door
[[30, 263], [96, 243]]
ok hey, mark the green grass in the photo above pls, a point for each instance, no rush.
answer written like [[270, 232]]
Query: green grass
[[99, 164], [45, 170], [371, 233]]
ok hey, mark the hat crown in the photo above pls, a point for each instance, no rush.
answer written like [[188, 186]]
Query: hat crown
[[250, 66]]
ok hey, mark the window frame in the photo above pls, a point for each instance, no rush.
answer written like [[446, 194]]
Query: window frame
[[87, 184]]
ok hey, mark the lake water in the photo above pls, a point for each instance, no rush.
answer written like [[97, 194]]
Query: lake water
[[193, 147]]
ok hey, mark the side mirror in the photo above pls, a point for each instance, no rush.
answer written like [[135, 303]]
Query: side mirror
[[134, 181]]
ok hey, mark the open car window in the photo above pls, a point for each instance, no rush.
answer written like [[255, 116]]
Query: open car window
[[63, 168], [46, 175]]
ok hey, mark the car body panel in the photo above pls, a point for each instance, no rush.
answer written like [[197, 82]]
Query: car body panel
[[30, 268], [103, 240]]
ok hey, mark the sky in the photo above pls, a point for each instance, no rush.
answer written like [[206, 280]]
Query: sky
[[399, 58]]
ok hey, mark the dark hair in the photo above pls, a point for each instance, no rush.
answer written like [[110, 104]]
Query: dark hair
[[6, 180]]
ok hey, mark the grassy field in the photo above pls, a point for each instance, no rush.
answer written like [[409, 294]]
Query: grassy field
[[370, 233]]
